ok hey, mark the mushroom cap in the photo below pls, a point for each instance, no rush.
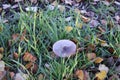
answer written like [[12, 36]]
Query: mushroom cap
[[64, 48]]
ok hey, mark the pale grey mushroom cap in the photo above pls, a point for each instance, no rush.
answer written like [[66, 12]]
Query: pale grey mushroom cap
[[64, 48]]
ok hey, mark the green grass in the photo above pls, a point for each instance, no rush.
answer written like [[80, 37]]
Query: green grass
[[46, 27]]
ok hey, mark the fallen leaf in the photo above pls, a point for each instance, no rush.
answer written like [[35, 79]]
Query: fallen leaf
[[1, 49], [15, 55], [68, 28], [29, 57], [101, 29], [29, 65], [98, 60], [101, 75], [80, 49], [102, 67], [91, 47], [2, 66], [91, 56], [85, 19], [82, 75], [34, 68], [111, 50], [102, 42], [15, 36]]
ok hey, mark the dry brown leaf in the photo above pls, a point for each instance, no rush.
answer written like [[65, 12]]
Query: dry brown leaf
[[101, 29], [111, 50], [101, 75], [98, 60], [91, 47], [102, 42], [80, 74], [29, 65], [91, 56], [29, 57], [1, 49], [15, 55], [34, 68], [15, 36], [85, 19]]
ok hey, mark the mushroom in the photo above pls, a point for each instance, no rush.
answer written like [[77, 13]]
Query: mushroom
[[64, 48]]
